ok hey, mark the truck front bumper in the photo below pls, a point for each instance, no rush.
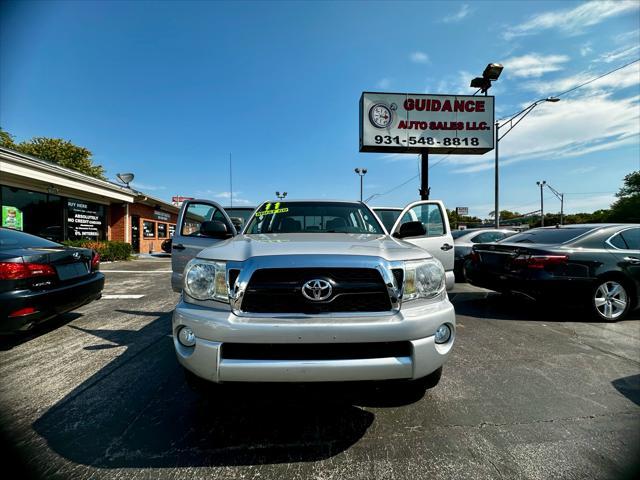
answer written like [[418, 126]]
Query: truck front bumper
[[215, 327]]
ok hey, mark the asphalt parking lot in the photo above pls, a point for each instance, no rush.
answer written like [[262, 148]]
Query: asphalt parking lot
[[531, 392]]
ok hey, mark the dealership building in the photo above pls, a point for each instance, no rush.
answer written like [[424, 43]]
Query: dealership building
[[45, 199]]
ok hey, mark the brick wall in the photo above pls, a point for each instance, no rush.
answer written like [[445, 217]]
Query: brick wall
[[146, 213], [117, 223]]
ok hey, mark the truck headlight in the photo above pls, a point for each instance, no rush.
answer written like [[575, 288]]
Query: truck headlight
[[423, 279], [206, 280]]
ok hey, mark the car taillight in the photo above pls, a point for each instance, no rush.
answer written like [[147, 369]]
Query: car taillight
[[20, 271], [95, 261], [22, 312], [539, 262], [474, 256]]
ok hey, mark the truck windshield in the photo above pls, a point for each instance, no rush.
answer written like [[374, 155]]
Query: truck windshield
[[313, 217], [388, 216]]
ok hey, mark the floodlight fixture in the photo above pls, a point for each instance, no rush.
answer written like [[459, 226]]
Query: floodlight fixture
[[493, 71]]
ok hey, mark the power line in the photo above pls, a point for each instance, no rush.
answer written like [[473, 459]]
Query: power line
[[583, 84], [597, 78]]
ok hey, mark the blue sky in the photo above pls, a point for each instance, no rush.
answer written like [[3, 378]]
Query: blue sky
[[166, 90]]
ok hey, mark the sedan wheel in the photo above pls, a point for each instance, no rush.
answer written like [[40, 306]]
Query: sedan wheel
[[610, 300]]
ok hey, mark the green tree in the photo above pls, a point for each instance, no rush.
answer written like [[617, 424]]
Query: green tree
[[6, 140], [64, 153], [627, 207], [505, 214], [56, 150]]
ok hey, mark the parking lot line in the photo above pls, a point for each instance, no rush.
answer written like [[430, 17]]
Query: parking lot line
[[135, 271], [113, 297]]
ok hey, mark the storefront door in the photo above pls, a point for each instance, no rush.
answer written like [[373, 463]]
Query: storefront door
[[135, 233]]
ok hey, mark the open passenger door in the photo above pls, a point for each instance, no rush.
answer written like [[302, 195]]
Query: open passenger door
[[201, 224], [426, 224]]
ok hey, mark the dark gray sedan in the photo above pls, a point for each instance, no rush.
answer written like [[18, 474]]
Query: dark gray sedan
[[464, 240]]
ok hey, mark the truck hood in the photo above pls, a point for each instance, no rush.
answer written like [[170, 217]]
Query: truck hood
[[242, 247]]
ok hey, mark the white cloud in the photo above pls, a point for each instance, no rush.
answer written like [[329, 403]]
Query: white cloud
[[582, 170], [461, 14], [384, 83], [454, 84], [570, 128], [580, 204], [144, 186], [237, 200], [586, 49], [534, 64], [621, 53], [623, 78], [419, 57], [572, 21]]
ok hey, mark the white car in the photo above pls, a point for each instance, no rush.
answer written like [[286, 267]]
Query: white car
[[310, 291]]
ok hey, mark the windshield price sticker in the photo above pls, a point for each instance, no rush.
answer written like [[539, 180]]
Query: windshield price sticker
[[268, 210], [414, 123]]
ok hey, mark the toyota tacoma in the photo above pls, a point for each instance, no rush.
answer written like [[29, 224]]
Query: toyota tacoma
[[311, 291]]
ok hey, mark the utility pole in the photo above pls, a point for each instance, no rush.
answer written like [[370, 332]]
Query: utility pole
[[541, 185], [361, 172], [424, 177], [496, 181], [560, 197]]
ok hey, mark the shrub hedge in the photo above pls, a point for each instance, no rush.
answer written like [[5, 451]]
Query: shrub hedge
[[108, 250]]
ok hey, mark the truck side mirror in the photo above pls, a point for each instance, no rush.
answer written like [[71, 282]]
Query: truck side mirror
[[411, 229], [214, 229]]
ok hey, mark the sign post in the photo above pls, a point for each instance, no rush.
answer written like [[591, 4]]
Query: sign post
[[423, 124], [424, 175]]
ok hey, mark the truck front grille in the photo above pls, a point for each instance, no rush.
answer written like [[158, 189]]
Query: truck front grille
[[279, 290], [314, 351]]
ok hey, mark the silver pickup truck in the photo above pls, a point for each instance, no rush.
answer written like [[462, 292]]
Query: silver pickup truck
[[311, 291]]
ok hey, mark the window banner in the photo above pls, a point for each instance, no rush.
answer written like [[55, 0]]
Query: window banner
[[12, 217]]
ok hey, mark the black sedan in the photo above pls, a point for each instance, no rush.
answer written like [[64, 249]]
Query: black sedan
[[588, 265], [40, 279]]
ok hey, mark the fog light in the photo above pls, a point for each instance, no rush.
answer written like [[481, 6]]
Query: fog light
[[443, 334], [186, 337]]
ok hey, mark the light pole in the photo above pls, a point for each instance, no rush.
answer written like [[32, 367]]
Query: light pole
[[510, 123], [361, 172], [281, 195], [541, 185], [560, 197]]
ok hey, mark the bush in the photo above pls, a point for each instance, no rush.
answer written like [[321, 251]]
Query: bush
[[108, 250]]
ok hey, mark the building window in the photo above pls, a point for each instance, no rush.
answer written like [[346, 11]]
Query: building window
[[162, 230], [32, 212], [149, 229], [172, 229], [85, 220]]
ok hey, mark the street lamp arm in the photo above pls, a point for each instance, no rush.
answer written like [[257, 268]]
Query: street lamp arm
[[523, 113], [555, 192]]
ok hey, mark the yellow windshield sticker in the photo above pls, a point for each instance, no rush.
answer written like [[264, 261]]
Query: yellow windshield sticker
[[268, 210]]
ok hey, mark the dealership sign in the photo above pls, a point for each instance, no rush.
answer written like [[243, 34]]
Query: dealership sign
[[412, 123], [462, 210]]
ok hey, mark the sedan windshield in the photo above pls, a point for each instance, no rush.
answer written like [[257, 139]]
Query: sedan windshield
[[313, 217]]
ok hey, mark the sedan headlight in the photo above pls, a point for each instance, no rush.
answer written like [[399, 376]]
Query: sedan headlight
[[206, 280], [423, 279]]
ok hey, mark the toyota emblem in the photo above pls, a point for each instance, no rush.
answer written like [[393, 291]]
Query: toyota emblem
[[317, 290]]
